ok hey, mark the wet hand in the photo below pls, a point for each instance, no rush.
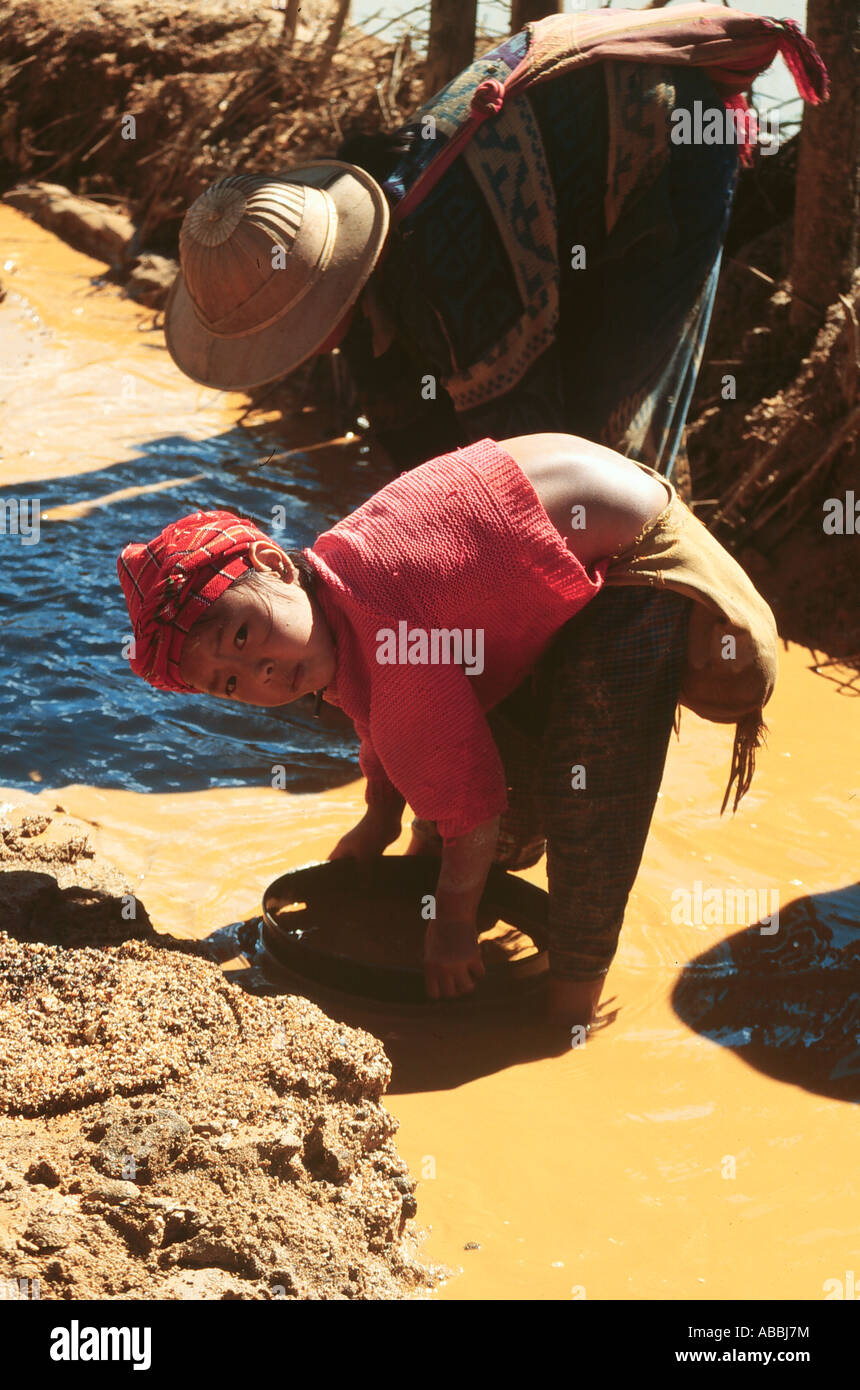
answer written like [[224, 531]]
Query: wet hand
[[367, 840], [452, 959]]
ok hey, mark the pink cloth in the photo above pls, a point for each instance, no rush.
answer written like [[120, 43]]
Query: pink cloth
[[461, 542], [732, 47], [173, 580]]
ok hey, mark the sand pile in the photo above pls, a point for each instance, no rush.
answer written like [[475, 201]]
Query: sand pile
[[163, 1134]]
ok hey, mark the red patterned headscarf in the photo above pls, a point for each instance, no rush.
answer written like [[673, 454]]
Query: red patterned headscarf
[[172, 581]]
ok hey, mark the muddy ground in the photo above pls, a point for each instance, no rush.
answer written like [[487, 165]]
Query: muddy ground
[[163, 1133]]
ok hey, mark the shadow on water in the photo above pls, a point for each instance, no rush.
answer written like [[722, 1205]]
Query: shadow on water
[[787, 1003], [70, 708], [438, 1045]]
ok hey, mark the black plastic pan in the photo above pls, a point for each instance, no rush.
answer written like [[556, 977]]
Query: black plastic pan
[[376, 904]]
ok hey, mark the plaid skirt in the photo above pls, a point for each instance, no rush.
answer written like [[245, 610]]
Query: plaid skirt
[[583, 742]]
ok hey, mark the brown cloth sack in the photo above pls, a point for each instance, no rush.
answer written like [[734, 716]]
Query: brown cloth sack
[[726, 682]]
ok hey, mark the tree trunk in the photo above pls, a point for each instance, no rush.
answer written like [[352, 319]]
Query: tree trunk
[[451, 45], [332, 39], [827, 199], [291, 19], [523, 11]]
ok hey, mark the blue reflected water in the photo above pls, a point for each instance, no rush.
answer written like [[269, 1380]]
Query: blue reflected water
[[71, 710]]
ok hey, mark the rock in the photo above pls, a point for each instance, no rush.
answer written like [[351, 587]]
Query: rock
[[144, 1143], [43, 1172], [223, 1141], [10, 1181], [289, 1142], [33, 825], [48, 1231], [114, 1190], [150, 279], [325, 1154], [406, 1187], [209, 1127], [204, 1250], [88, 226]]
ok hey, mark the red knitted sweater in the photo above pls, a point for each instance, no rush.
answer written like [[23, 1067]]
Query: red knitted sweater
[[460, 543]]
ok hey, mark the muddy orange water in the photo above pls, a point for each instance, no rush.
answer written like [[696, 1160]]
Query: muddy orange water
[[704, 1145]]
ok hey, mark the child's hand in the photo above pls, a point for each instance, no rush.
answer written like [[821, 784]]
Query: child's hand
[[452, 959], [366, 840]]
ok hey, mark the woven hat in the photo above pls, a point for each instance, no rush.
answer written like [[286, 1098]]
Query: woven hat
[[270, 265]]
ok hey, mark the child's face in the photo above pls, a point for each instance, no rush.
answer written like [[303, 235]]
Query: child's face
[[262, 643]]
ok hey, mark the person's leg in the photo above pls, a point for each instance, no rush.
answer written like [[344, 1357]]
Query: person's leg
[[615, 686]]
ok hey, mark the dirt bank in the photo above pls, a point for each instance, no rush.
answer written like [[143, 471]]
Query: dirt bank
[[774, 420], [177, 96], [163, 1134], [772, 466]]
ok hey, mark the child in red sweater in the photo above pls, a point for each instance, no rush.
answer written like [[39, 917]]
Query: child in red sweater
[[451, 596]]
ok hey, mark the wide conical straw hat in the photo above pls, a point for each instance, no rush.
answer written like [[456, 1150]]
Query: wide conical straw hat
[[270, 265]]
